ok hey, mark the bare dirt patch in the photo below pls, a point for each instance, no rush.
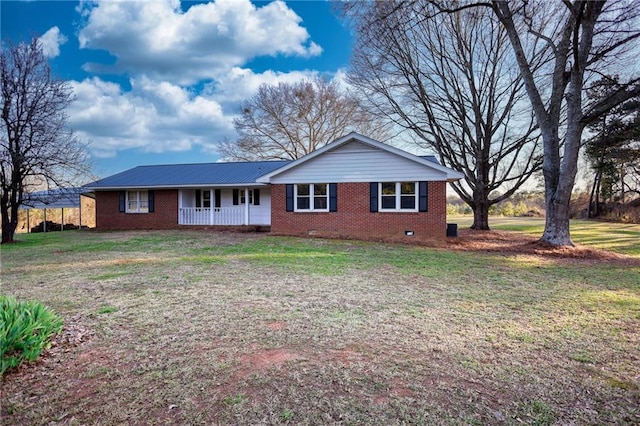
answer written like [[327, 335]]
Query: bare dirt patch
[[262, 359]]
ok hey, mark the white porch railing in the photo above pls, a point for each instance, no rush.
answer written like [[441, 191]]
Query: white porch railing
[[215, 216]]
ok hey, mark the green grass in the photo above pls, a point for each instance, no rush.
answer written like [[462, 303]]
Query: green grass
[[218, 328], [622, 238]]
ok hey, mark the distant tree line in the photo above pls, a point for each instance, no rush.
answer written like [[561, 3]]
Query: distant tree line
[[520, 204]]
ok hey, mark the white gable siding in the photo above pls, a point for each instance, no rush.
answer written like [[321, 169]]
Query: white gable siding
[[358, 162]]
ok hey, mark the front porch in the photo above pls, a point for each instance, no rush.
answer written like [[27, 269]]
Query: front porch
[[224, 206], [211, 216]]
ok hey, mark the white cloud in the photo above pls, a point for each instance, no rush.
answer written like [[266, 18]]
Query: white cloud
[[152, 117], [159, 116], [239, 84], [51, 42], [187, 70], [160, 40]]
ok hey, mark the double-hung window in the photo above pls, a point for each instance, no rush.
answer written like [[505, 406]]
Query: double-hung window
[[243, 198], [137, 202], [312, 197], [398, 196], [203, 198]]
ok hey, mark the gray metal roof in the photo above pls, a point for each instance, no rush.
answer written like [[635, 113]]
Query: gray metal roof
[[53, 199], [431, 158], [188, 175]]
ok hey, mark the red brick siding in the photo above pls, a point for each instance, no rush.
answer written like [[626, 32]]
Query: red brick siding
[[354, 220], [165, 216]]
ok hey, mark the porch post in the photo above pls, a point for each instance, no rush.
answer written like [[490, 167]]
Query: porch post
[[62, 219], [211, 206], [246, 206]]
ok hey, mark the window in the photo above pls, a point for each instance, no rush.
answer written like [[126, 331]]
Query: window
[[137, 202], [239, 196], [243, 198], [203, 198], [398, 196], [312, 197]]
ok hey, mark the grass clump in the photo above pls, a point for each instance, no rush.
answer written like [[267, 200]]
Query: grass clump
[[107, 309], [26, 328]]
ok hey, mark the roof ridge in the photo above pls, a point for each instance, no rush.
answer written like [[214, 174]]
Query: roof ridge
[[211, 163]]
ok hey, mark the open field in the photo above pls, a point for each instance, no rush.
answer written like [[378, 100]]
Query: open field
[[619, 237], [221, 328]]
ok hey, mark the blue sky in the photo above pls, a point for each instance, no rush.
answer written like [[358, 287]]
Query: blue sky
[[160, 81]]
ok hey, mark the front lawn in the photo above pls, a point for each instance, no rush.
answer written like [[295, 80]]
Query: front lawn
[[221, 328]]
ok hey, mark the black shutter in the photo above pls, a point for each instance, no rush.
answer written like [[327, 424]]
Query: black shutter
[[198, 198], [289, 194], [217, 198], [256, 197], [236, 195], [152, 201], [333, 197], [423, 197], [373, 197], [122, 201]]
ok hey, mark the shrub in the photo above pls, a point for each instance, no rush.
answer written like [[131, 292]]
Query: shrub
[[25, 330]]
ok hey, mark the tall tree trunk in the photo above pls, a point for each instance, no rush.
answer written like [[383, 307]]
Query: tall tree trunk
[[480, 207], [481, 218], [9, 224], [560, 175], [594, 197], [622, 183], [556, 229]]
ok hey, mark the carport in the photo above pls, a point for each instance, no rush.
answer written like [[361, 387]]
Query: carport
[[64, 198]]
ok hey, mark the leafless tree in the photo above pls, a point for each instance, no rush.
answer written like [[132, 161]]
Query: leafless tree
[[576, 42], [452, 81], [36, 147], [585, 39], [287, 121]]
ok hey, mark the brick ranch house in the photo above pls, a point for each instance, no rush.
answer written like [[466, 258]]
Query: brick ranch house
[[354, 187]]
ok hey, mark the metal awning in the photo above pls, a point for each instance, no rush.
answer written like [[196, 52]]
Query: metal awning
[[63, 198]]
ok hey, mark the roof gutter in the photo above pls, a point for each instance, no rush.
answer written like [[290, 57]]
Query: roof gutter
[[190, 186]]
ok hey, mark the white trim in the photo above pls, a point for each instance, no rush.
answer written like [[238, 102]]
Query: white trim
[[137, 201], [191, 186], [246, 206], [398, 198], [312, 197], [212, 204]]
